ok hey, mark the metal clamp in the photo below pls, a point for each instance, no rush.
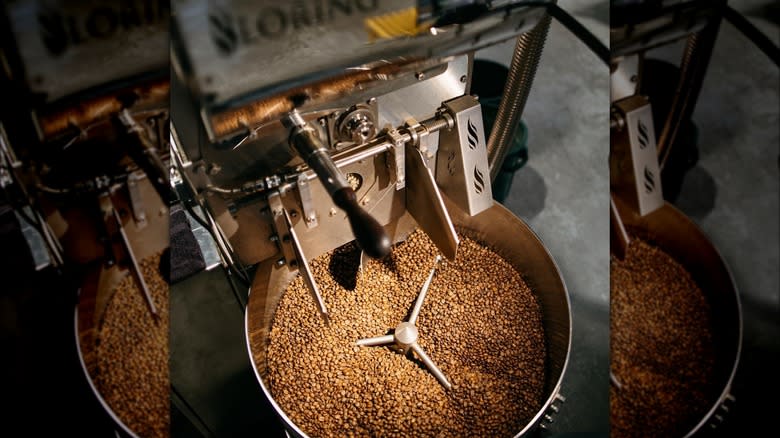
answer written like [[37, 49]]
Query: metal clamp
[[399, 157], [307, 204], [277, 212], [635, 174], [136, 200]]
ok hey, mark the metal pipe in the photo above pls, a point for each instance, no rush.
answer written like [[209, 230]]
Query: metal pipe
[[134, 264], [145, 153], [383, 143], [522, 70], [752, 33], [693, 67]]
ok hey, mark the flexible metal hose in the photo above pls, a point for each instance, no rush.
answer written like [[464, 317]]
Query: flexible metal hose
[[522, 70], [693, 67]]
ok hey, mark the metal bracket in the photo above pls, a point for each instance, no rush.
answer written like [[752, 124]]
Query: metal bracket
[[292, 250], [302, 264], [35, 241], [624, 81], [136, 200], [634, 171], [429, 147], [304, 191], [462, 170], [276, 209], [424, 202], [399, 157]]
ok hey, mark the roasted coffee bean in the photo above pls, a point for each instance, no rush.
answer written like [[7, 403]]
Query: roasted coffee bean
[[662, 349], [480, 323], [132, 354]]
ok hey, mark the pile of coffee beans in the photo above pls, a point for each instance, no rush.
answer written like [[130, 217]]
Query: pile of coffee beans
[[661, 344], [132, 354], [480, 323]]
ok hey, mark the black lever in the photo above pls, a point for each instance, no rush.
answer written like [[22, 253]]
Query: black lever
[[369, 234], [144, 152]]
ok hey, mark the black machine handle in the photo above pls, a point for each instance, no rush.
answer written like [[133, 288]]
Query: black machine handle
[[145, 153], [369, 234]]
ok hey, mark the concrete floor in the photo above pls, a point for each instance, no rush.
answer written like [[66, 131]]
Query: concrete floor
[[209, 363]]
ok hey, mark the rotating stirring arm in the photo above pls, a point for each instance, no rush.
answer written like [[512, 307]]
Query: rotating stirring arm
[[405, 335]]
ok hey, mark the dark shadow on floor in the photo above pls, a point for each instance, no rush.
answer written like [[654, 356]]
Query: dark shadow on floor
[[698, 194], [528, 193]]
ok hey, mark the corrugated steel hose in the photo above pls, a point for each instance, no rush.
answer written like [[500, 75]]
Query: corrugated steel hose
[[522, 70], [693, 67]]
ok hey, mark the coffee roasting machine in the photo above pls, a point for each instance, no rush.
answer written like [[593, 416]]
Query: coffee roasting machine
[[653, 145], [84, 170], [306, 125]]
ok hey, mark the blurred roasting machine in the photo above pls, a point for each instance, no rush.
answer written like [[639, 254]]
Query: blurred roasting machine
[[84, 148], [650, 149], [300, 126]]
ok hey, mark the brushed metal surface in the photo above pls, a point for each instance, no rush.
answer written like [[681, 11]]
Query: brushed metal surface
[[462, 168], [636, 175], [237, 34], [424, 202], [71, 46]]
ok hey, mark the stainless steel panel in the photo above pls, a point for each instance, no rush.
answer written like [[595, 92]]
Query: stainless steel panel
[[462, 168], [70, 46], [426, 205]]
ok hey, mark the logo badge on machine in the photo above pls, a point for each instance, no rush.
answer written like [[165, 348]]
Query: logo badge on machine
[[473, 136], [645, 159], [61, 29], [465, 175], [231, 29], [479, 181], [70, 46]]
